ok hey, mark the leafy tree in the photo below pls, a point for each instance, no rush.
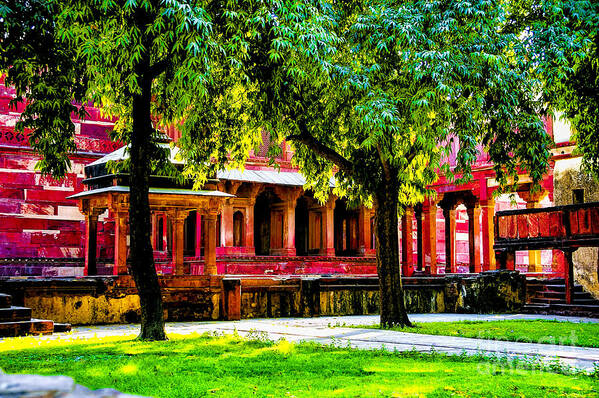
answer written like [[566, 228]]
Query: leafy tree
[[378, 94], [563, 45], [144, 62]]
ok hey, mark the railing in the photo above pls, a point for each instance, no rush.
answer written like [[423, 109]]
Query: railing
[[560, 227]]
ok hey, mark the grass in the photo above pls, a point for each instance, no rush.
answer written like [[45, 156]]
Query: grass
[[530, 331], [229, 366]]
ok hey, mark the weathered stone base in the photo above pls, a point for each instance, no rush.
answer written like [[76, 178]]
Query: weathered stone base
[[100, 300]]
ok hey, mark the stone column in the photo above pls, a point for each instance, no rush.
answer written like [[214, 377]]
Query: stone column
[[533, 202], [488, 228], [289, 227], [120, 243], [328, 218], [429, 232], [450, 261], [154, 224], [210, 245], [288, 238], [226, 228], [178, 239], [407, 251], [91, 242], [474, 238], [249, 228]]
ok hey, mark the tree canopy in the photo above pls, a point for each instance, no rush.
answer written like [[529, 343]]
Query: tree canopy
[[373, 91], [382, 92], [563, 53]]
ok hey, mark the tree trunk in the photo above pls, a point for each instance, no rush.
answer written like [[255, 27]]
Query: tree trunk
[[142, 257], [392, 306]]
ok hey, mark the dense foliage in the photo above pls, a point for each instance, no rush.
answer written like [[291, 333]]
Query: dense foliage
[[388, 95], [384, 94]]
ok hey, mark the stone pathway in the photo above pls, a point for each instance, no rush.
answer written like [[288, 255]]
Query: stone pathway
[[329, 330]]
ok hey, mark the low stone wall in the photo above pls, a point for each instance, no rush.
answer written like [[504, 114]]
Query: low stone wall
[[102, 300]]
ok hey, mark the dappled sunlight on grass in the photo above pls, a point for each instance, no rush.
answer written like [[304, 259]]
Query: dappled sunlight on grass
[[230, 366]]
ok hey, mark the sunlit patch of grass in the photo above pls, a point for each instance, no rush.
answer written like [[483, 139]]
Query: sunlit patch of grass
[[583, 334], [230, 366]]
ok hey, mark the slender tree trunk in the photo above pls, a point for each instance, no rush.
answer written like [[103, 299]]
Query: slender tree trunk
[[392, 306], [142, 258]]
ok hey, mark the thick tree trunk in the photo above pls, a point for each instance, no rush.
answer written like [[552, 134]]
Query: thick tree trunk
[[392, 306], [142, 258]]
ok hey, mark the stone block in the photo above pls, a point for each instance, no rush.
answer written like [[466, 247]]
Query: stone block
[[34, 386]]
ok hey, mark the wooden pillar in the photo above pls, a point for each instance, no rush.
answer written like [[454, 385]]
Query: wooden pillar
[[120, 243], [450, 260], [569, 274], [474, 238], [178, 239], [210, 245], [429, 232], [91, 242], [328, 218], [488, 228], [407, 251]]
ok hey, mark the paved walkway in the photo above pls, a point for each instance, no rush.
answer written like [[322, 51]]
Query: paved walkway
[[329, 330]]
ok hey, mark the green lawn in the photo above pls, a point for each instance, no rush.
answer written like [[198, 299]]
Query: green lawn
[[195, 366], [530, 331]]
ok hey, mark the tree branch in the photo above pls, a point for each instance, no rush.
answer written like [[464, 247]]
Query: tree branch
[[157, 68], [321, 149]]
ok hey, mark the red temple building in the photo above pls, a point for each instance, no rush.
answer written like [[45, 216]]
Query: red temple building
[[259, 221]]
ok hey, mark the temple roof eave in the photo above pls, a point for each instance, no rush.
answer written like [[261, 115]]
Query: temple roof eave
[[166, 191]]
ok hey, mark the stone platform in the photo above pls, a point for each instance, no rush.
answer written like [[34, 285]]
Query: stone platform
[[109, 300]]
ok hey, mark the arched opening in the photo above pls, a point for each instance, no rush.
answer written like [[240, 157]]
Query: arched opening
[[301, 227], [238, 229], [346, 230], [189, 234], [160, 235], [268, 224], [462, 239]]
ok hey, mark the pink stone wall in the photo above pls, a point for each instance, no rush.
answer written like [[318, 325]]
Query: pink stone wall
[[38, 225]]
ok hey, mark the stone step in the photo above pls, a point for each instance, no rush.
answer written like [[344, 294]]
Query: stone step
[[5, 300], [547, 300], [562, 288], [23, 328], [562, 294], [555, 300], [535, 306], [14, 314], [62, 327], [577, 307]]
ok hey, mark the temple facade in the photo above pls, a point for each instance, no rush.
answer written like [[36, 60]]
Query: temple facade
[[259, 221]]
